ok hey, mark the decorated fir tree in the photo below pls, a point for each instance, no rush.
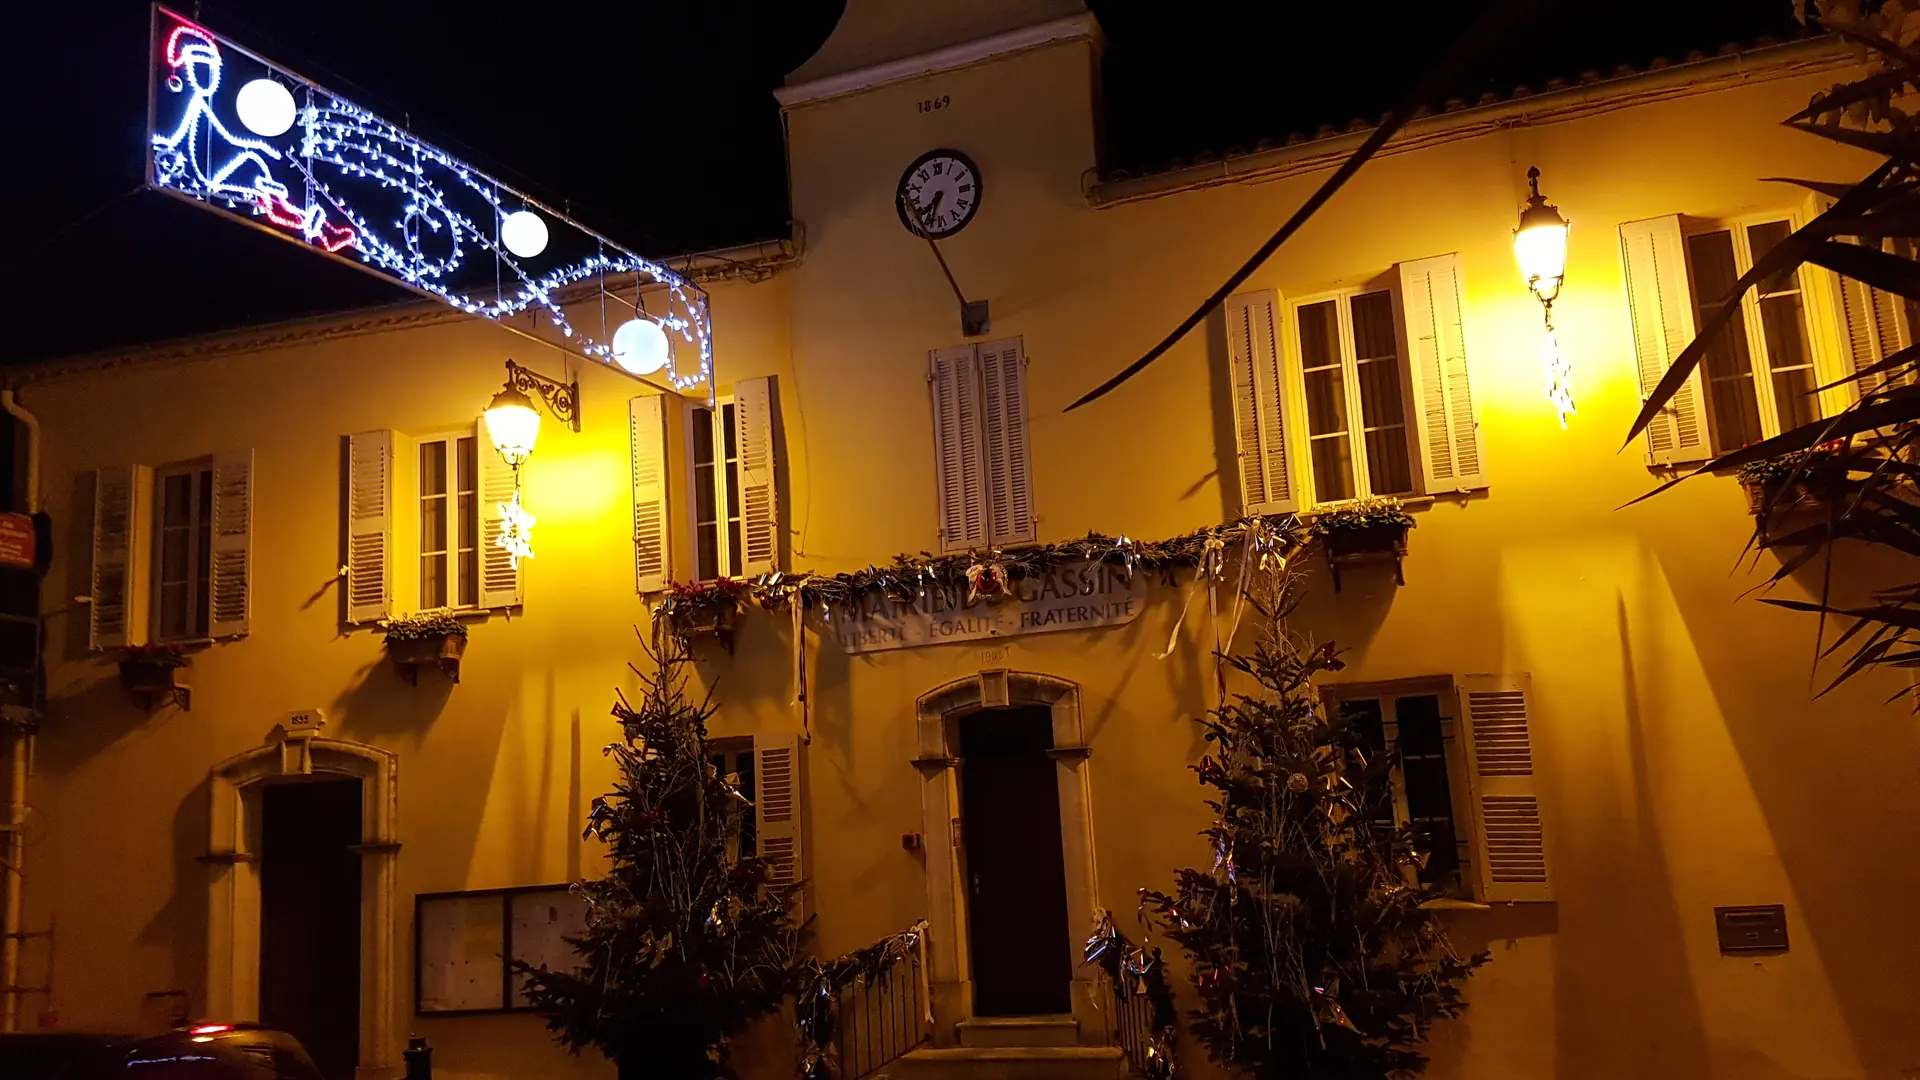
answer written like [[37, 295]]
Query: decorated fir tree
[[1310, 949], [685, 943]]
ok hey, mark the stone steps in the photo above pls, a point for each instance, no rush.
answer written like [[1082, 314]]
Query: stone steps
[[1009, 1063]]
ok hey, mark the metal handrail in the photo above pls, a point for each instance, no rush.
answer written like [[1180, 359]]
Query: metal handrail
[[881, 1021]]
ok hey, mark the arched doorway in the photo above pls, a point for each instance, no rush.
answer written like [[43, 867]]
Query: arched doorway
[[1008, 719], [237, 839]]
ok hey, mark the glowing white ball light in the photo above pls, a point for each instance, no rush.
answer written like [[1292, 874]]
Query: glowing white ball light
[[524, 233], [640, 346], [265, 107]]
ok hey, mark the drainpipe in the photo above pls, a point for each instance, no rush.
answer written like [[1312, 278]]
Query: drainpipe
[[17, 785]]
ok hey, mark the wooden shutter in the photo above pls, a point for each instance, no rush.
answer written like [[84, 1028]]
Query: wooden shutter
[[755, 417], [1509, 842], [1873, 324], [647, 449], [959, 459], [118, 610], [776, 806], [1003, 378], [1660, 303], [1432, 299], [500, 577], [230, 562], [1259, 403], [370, 465]]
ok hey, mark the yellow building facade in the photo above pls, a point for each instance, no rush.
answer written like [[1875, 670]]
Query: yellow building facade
[[1674, 757]]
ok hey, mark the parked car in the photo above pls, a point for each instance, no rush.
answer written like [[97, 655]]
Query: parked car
[[200, 1052]]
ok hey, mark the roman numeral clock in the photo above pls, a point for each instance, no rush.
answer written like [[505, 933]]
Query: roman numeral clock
[[937, 196]]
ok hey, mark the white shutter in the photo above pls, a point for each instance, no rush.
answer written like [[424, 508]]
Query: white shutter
[[500, 577], [776, 806], [754, 406], [1259, 402], [647, 450], [1432, 299], [1660, 303], [1509, 842], [117, 615], [370, 465], [1873, 323], [1003, 377], [959, 460], [231, 557]]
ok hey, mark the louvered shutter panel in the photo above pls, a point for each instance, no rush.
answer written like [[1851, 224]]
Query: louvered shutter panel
[[776, 806], [370, 465], [1873, 323], [1003, 378], [1432, 299], [1259, 403], [959, 461], [117, 613], [230, 561], [1660, 303], [647, 448], [1509, 842], [754, 406], [500, 577]]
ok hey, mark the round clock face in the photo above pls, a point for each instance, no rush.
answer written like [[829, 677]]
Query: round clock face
[[939, 193]]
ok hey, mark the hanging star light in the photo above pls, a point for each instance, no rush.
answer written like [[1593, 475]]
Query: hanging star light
[[516, 530], [290, 156]]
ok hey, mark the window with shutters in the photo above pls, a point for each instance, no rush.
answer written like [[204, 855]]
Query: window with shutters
[[1460, 779], [1759, 371], [732, 759], [713, 453], [729, 510], [1411, 724], [1352, 376], [183, 552], [449, 521], [983, 473]]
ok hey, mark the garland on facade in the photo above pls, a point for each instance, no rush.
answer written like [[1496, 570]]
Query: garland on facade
[[1134, 970], [816, 999], [990, 574]]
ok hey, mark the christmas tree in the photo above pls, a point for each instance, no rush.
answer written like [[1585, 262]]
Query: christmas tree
[[1309, 946], [685, 942]]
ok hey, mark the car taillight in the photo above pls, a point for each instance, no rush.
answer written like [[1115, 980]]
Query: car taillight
[[210, 1029]]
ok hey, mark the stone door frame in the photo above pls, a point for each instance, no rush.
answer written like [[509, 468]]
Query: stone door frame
[[233, 882], [937, 723]]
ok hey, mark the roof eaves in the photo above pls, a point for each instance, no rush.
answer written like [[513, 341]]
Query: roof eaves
[[1559, 99]]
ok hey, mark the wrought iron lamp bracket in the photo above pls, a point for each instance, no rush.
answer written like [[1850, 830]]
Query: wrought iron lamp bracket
[[563, 399]]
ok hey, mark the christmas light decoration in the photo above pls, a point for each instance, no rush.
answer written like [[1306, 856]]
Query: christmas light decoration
[[345, 181], [640, 346], [516, 529]]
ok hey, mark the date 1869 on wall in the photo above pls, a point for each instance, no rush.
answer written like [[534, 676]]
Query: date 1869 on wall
[[928, 105]]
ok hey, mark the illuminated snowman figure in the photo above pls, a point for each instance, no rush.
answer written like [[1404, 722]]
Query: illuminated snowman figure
[[227, 165]]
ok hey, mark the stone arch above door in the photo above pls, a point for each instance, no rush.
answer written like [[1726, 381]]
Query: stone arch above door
[[936, 716], [233, 881]]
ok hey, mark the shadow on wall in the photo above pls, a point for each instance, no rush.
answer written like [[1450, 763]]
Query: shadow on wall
[[380, 704], [180, 926]]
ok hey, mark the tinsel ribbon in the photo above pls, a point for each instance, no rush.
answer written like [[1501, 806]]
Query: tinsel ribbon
[[1203, 578], [926, 988], [798, 608]]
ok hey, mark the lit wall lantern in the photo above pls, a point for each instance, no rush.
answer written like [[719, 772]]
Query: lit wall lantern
[[513, 425], [1540, 243]]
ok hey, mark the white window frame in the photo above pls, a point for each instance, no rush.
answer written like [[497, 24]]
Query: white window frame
[[200, 504], [731, 749], [1820, 357], [1350, 384], [726, 480], [451, 439], [1459, 783]]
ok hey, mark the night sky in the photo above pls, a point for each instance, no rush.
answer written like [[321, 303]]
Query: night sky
[[654, 122]]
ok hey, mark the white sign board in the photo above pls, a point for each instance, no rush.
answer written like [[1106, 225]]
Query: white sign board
[[1075, 596]]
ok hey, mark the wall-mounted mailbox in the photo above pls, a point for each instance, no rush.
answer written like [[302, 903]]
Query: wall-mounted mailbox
[[1758, 928]]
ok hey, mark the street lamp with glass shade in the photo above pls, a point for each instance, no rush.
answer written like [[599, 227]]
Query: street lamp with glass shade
[[513, 424], [1540, 243]]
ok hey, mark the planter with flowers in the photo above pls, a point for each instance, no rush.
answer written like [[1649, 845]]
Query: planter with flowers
[[157, 671], [1790, 489], [706, 609], [1367, 530], [432, 639]]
